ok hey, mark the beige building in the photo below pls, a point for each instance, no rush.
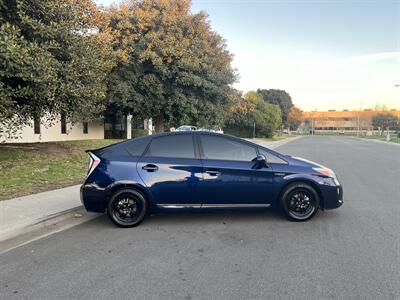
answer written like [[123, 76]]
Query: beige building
[[62, 130], [349, 121]]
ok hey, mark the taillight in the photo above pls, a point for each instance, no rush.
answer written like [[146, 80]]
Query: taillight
[[93, 163]]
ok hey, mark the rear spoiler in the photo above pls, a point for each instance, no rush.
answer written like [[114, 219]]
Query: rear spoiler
[[94, 151]]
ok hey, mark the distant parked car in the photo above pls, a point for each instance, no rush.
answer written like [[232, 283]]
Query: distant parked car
[[215, 129], [203, 171], [341, 132], [186, 128]]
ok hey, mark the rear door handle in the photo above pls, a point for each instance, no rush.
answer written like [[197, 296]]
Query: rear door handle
[[150, 168], [213, 172]]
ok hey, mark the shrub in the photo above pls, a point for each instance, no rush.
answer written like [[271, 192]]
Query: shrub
[[139, 132]]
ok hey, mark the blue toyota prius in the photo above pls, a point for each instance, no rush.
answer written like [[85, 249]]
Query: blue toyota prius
[[203, 171]]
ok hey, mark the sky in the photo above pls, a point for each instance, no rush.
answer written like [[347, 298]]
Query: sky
[[325, 54]]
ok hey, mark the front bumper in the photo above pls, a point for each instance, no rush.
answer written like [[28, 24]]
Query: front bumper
[[332, 196]]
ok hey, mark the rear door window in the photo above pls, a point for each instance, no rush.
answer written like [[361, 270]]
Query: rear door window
[[221, 148], [177, 146]]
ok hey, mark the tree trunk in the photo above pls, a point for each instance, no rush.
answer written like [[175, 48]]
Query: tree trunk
[[159, 123]]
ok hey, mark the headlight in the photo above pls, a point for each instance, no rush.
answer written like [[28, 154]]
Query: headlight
[[327, 181], [336, 181], [325, 171]]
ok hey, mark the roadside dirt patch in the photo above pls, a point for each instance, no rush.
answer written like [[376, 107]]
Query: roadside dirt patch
[[46, 148]]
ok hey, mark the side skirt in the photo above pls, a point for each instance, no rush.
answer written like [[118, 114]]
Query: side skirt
[[213, 205]]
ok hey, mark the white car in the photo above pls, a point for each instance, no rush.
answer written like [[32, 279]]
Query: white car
[[186, 128], [215, 129]]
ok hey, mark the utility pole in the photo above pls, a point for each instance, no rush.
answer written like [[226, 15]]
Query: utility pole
[[388, 135], [358, 120], [254, 130], [312, 122], [312, 125]]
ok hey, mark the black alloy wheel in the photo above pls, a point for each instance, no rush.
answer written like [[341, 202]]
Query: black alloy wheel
[[300, 202], [127, 208]]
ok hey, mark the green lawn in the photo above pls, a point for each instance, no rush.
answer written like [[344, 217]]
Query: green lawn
[[281, 137], [32, 168], [393, 138], [278, 137]]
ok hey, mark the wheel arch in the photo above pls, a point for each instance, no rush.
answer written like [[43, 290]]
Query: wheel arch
[[308, 181]]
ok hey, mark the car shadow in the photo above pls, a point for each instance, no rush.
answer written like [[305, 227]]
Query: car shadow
[[215, 217], [201, 218], [212, 217]]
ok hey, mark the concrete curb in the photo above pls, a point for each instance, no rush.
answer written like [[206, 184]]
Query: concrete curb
[[25, 214], [46, 226], [38, 223]]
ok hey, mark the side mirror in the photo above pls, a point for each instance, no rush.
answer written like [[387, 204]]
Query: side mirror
[[260, 162]]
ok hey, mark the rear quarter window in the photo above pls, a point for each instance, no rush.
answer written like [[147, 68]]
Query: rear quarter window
[[136, 147]]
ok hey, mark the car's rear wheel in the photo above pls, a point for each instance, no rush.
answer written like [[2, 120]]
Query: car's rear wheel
[[127, 208], [299, 202]]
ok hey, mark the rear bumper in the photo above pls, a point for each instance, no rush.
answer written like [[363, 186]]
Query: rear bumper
[[93, 198], [332, 196]]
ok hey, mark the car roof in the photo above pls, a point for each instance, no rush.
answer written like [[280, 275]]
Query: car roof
[[191, 132], [214, 134], [204, 133]]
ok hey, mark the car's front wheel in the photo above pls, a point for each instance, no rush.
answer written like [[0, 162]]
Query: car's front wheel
[[299, 202], [127, 208]]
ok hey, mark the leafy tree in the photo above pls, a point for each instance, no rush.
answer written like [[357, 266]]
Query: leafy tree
[[380, 107], [279, 97], [294, 118], [52, 60], [385, 121], [250, 110], [171, 65], [240, 119]]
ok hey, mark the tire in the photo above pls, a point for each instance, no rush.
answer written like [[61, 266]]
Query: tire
[[127, 208], [299, 202]]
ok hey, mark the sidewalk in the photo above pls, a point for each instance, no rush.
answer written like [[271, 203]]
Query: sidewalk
[[29, 213], [274, 144], [24, 214]]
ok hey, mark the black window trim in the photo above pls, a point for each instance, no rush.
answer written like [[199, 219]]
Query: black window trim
[[202, 156], [196, 153]]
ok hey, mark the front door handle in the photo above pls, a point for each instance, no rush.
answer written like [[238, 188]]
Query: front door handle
[[279, 174], [150, 168], [213, 172]]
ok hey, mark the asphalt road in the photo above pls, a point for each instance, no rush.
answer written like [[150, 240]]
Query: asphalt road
[[349, 253]]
